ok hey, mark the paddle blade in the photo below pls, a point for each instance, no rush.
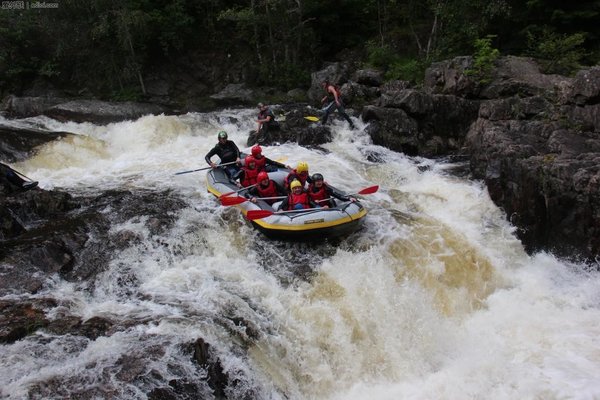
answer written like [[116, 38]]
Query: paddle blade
[[226, 194], [258, 214], [369, 190], [232, 201], [311, 118]]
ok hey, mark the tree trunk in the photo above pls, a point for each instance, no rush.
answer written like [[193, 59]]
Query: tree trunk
[[256, 35]]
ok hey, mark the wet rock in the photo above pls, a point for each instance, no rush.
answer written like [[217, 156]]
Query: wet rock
[[18, 320], [64, 325], [23, 107], [295, 128], [545, 177], [234, 94], [95, 327], [217, 378], [393, 128], [17, 144], [163, 393], [103, 112], [368, 77]]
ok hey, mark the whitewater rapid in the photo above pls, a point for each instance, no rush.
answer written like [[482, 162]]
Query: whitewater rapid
[[434, 298]]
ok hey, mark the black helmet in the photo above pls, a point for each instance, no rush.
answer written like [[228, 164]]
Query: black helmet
[[222, 135], [317, 177]]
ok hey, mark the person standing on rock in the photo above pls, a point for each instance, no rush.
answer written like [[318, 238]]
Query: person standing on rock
[[333, 101], [229, 154]]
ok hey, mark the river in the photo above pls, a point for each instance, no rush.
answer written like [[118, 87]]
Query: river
[[433, 298]]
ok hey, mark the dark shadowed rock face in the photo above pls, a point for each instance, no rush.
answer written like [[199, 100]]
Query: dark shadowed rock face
[[17, 144], [539, 154]]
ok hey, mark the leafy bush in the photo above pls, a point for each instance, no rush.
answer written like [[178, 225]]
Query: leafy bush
[[558, 54], [381, 56], [484, 59], [409, 70]]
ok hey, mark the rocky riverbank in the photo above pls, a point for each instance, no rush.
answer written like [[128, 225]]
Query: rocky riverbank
[[533, 138]]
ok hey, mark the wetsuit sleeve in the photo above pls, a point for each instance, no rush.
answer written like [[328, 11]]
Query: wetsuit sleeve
[[284, 204], [337, 194], [237, 151], [210, 154], [252, 192]]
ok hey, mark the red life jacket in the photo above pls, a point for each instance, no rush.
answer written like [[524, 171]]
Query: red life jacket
[[249, 177], [268, 191], [320, 194], [294, 175], [330, 96], [301, 198], [261, 163]]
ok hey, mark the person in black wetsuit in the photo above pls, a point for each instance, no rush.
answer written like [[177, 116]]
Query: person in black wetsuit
[[266, 119], [228, 152]]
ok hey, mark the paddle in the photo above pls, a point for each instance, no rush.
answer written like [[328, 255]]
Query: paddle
[[202, 169], [259, 214], [234, 201], [237, 191], [311, 118]]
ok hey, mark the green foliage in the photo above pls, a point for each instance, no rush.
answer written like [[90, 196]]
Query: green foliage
[[109, 47], [380, 56], [285, 76], [484, 59], [558, 54], [409, 70]]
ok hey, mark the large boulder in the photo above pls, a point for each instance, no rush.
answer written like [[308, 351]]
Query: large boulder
[[336, 73], [300, 125], [585, 87], [433, 124], [102, 112], [23, 107], [546, 178], [234, 94], [17, 144]]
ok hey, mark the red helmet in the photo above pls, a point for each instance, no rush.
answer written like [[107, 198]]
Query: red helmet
[[256, 150], [262, 176], [248, 160]]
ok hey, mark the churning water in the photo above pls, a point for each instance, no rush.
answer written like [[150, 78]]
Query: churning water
[[434, 298]]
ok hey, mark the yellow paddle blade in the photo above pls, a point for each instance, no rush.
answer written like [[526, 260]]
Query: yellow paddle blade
[[311, 118]]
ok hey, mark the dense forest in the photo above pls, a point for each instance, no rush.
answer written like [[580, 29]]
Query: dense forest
[[110, 47]]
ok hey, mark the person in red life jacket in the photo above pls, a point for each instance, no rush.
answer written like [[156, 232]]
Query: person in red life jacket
[[265, 188], [300, 173], [249, 172], [265, 164], [298, 199], [332, 102], [323, 194]]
